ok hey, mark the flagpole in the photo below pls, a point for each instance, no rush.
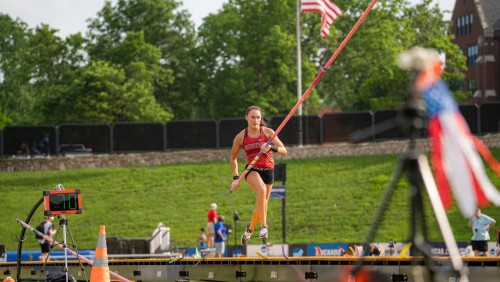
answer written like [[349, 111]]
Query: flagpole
[[299, 71]]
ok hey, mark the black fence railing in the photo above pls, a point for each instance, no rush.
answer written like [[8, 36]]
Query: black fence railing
[[337, 127], [310, 128], [489, 116], [95, 136], [470, 113], [211, 134], [187, 134], [17, 139], [130, 137], [386, 125]]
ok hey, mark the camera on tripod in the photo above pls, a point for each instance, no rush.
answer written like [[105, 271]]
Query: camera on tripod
[[392, 247], [392, 244], [236, 216]]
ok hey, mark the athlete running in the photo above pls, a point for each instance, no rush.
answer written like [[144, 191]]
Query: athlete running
[[260, 177]]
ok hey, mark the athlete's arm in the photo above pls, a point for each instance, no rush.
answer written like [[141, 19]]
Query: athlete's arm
[[277, 145], [235, 150]]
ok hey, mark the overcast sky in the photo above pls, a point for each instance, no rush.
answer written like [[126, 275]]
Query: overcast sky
[[69, 16]]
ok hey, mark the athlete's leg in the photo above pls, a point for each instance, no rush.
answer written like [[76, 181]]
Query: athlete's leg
[[269, 189], [254, 220], [256, 183], [255, 216], [264, 233]]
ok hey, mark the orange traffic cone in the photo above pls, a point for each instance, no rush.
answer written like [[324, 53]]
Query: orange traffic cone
[[100, 268], [9, 279]]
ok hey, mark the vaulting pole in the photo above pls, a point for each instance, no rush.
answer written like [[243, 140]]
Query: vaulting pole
[[309, 89]]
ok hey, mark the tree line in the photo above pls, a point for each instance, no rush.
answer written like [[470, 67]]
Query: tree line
[[144, 60]]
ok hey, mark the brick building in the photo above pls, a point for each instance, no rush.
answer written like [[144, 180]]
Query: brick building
[[476, 25]]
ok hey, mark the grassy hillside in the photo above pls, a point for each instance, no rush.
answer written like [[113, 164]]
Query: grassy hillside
[[328, 200]]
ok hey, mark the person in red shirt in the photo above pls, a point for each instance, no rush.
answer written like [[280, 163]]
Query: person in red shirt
[[211, 220], [260, 177]]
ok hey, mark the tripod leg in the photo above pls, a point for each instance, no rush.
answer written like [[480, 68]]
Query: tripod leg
[[441, 217], [387, 197], [382, 207], [76, 250], [419, 232]]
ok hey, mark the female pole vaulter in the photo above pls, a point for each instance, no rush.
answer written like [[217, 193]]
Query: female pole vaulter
[[260, 176]]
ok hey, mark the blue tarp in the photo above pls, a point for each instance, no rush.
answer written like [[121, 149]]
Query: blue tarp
[[54, 255]]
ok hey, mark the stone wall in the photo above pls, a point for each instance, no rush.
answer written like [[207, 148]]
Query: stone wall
[[192, 156]]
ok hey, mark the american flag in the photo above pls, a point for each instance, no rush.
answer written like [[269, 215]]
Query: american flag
[[329, 12]]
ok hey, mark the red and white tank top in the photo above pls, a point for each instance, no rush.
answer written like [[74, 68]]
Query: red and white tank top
[[252, 148]]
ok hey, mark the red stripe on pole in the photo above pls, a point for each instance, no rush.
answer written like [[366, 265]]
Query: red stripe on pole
[[309, 89]]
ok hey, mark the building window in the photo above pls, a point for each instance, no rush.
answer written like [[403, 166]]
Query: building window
[[470, 23], [464, 25], [471, 54], [471, 86]]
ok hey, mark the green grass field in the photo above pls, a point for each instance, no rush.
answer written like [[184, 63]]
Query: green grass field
[[328, 200]]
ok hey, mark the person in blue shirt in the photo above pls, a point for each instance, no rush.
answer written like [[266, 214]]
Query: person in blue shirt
[[480, 224], [46, 145], [220, 236]]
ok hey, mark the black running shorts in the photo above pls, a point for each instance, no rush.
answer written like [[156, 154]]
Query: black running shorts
[[267, 174]]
